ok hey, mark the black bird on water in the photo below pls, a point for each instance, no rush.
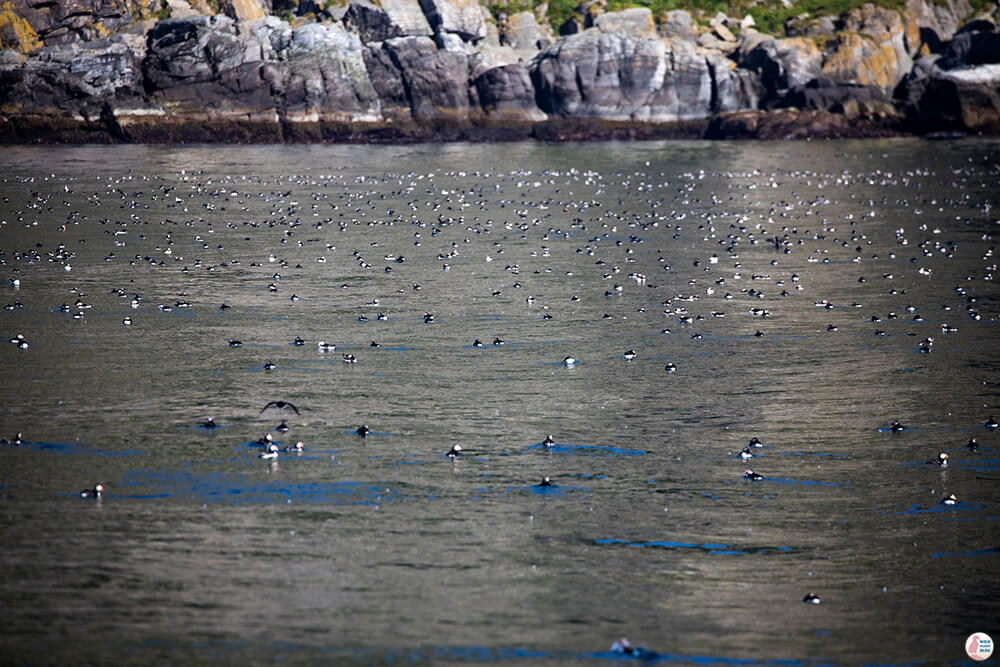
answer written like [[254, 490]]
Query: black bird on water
[[281, 405]]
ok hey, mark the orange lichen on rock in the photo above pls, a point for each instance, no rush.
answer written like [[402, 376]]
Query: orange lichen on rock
[[15, 32]]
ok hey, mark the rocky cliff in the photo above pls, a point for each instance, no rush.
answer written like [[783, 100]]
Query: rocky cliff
[[401, 70]]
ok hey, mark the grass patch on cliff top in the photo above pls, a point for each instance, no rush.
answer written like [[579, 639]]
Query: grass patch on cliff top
[[770, 16], [771, 19]]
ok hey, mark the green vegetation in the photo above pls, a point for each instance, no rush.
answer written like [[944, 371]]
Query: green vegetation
[[513, 7], [979, 6], [771, 19], [559, 12], [770, 15], [163, 13]]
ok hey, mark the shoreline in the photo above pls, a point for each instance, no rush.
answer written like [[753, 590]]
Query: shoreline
[[773, 125]]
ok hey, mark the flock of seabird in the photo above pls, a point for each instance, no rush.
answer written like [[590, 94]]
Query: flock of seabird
[[177, 216]]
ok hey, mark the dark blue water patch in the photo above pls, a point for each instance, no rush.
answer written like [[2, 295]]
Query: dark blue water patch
[[201, 427], [241, 490], [253, 444], [411, 462], [888, 429], [554, 490], [586, 450], [710, 548], [977, 464], [456, 654], [78, 448], [992, 551], [962, 506]]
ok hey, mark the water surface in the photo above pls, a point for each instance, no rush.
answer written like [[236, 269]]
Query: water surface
[[789, 287]]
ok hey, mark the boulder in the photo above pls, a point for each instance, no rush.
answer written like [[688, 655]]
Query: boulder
[[522, 32], [781, 64], [636, 23], [852, 100], [506, 93], [615, 77], [937, 21], [461, 17], [965, 100], [952, 93], [677, 24], [870, 50], [810, 26], [977, 43], [242, 10], [387, 19]]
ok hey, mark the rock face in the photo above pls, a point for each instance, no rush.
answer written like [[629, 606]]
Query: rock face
[[387, 19], [76, 80], [872, 51], [958, 90], [522, 33], [80, 20], [315, 71], [460, 17], [395, 70], [621, 70], [415, 79], [781, 64], [937, 22]]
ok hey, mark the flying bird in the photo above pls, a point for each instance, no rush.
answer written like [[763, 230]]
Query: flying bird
[[281, 405]]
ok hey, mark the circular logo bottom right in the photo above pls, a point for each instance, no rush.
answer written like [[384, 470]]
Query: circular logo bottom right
[[979, 646]]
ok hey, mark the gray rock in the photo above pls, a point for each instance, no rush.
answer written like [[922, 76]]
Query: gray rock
[[781, 64], [415, 79], [711, 40], [388, 19], [937, 21], [314, 72], [74, 79], [962, 100], [636, 23], [976, 43], [522, 33], [506, 93], [188, 51], [850, 100], [461, 17], [614, 77], [75, 20], [809, 26], [678, 25], [324, 76]]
